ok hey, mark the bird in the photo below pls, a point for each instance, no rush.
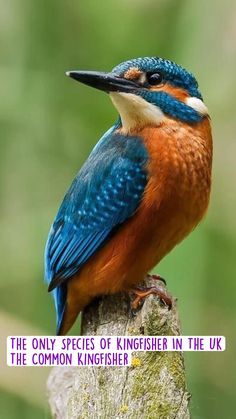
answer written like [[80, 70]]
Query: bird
[[144, 187]]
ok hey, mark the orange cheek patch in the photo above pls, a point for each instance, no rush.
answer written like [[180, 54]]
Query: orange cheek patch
[[133, 73], [178, 93]]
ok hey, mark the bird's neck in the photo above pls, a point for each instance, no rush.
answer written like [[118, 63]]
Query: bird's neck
[[135, 112]]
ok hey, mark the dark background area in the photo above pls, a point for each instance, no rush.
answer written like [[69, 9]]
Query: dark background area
[[49, 125]]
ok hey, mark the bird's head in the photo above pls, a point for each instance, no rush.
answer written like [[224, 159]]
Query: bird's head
[[147, 91]]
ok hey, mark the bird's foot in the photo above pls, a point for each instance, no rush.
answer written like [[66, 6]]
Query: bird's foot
[[156, 278], [142, 293]]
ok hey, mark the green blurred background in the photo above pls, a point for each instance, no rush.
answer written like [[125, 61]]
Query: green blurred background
[[49, 125]]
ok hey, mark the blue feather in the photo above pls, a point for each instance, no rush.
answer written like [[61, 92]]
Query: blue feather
[[172, 106], [107, 191]]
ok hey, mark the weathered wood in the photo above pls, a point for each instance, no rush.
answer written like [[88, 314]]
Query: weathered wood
[[154, 387]]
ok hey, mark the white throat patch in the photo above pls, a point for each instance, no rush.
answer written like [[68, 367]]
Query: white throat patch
[[135, 111]]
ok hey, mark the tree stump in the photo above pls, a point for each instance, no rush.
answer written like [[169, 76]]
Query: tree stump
[[153, 387]]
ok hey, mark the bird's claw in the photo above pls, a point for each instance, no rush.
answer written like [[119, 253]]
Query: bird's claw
[[141, 294], [156, 278]]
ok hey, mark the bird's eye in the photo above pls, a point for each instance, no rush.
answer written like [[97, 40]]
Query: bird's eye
[[154, 78]]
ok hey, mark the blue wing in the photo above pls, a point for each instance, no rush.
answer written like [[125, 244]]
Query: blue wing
[[106, 192]]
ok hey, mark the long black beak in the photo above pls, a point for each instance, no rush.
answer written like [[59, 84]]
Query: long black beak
[[108, 82]]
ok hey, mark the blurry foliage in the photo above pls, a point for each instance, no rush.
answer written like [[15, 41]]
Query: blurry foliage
[[48, 126]]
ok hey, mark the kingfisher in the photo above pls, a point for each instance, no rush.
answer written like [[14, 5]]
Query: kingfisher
[[144, 187]]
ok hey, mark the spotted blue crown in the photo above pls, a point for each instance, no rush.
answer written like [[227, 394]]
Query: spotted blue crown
[[172, 72]]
